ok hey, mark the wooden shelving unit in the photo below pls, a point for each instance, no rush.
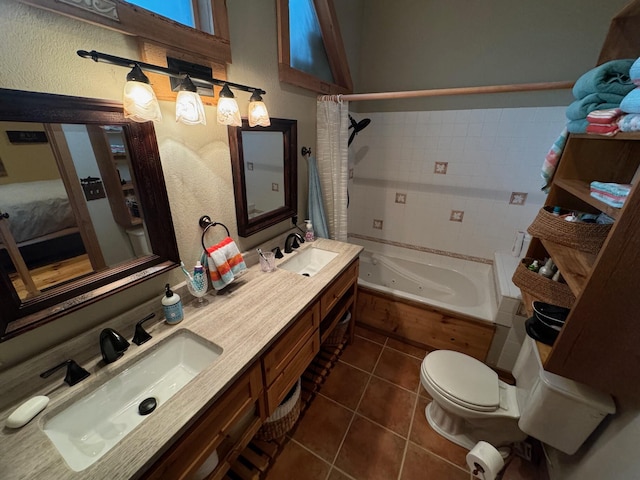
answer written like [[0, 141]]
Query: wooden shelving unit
[[598, 344]]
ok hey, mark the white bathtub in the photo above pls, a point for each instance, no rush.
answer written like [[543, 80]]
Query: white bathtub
[[444, 283]]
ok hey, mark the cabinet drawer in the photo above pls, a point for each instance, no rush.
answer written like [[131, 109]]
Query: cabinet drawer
[[338, 288], [288, 345], [291, 372], [186, 455]]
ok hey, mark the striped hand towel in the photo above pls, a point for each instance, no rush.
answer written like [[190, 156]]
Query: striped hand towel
[[225, 263]]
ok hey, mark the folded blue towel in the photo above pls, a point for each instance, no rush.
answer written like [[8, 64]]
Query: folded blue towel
[[607, 200], [631, 103], [579, 109], [629, 123], [577, 126], [610, 77], [634, 72]]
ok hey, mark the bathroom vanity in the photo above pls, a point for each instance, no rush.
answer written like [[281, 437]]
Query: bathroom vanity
[[269, 327]]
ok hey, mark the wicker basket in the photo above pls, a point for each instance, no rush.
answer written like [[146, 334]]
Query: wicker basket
[[586, 237], [542, 288], [336, 337], [284, 417]]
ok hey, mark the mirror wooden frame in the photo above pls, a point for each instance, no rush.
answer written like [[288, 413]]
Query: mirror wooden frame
[[289, 129], [18, 316]]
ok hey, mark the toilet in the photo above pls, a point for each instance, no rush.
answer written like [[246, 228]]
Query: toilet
[[471, 404]]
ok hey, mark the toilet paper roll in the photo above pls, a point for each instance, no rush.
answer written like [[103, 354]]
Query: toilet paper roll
[[485, 461]]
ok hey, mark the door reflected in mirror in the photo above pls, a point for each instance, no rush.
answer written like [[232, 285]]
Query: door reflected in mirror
[[263, 171], [265, 180], [69, 200]]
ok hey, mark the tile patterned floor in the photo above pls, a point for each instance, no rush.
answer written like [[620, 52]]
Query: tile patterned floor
[[367, 423]]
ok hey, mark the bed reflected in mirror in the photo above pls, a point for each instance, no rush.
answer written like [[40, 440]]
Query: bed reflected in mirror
[[69, 204], [84, 211]]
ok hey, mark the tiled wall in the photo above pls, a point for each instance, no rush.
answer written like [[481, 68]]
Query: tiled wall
[[462, 181]]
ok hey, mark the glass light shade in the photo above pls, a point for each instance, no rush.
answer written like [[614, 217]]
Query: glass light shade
[[189, 108], [258, 114], [228, 112], [140, 102]]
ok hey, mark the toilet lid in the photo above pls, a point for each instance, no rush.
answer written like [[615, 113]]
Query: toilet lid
[[463, 379]]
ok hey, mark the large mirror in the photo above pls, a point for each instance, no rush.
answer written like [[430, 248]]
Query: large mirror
[[84, 211], [265, 178]]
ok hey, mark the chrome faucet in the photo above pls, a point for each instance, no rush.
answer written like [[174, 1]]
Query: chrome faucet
[[112, 345], [293, 241]]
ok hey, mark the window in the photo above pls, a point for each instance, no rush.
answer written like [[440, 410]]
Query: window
[[311, 53], [192, 13], [196, 27]]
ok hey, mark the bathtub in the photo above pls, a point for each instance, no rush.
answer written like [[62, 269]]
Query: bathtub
[[429, 299], [466, 292]]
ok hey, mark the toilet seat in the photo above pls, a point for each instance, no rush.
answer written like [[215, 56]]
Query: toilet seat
[[462, 380]]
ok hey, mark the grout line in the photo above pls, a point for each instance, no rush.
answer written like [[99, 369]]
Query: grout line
[[356, 409], [406, 445]]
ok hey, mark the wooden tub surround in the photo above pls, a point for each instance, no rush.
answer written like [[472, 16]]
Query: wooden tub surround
[[270, 327], [423, 326]]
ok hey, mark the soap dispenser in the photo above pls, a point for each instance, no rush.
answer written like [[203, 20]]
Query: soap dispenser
[[309, 234], [172, 306]]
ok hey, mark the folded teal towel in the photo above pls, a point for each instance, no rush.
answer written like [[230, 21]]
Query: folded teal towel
[[617, 189], [610, 77], [631, 103], [577, 126], [579, 109]]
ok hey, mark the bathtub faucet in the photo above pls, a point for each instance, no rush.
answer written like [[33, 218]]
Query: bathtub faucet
[[293, 241]]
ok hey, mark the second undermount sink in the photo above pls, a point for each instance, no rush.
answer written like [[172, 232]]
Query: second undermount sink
[[89, 427], [309, 261]]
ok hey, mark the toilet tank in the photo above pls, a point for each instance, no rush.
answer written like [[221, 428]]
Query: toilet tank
[[555, 410]]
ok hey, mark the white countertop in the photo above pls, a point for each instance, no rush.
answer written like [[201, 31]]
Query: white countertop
[[244, 322]]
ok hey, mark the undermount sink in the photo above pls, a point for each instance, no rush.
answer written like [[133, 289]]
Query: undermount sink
[[89, 427], [309, 261]]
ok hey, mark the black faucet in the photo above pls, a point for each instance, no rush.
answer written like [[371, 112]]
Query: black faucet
[[141, 335], [112, 345], [289, 245], [75, 373]]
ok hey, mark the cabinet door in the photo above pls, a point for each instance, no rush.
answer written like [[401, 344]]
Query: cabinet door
[[210, 431]]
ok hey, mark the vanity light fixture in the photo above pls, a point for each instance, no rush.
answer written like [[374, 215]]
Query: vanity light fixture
[[189, 108], [228, 111], [139, 100], [258, 114]]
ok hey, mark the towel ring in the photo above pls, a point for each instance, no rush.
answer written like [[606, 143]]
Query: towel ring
[[206, 223]]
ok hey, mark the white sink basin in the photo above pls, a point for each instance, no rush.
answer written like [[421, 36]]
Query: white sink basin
[[89, 427], [309, 261]]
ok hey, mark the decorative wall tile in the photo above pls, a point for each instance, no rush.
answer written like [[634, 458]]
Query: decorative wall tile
[[377, 224], [275, 187], [441, 168], [249, 165], [518, 198], [401, 197], [456, 216]]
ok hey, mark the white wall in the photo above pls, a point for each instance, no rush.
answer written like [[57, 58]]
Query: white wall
[[38, 53], [490, 154]]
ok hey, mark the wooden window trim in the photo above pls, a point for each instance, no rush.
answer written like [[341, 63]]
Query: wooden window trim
[[135, 21], [333, 44]]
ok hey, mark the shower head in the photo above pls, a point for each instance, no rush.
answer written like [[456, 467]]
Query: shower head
[[357, 127]]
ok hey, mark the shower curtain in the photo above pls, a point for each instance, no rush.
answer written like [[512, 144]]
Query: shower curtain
[[332, 120]]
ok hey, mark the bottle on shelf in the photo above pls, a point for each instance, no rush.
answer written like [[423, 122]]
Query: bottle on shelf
[[547, 269], [534, 267]]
